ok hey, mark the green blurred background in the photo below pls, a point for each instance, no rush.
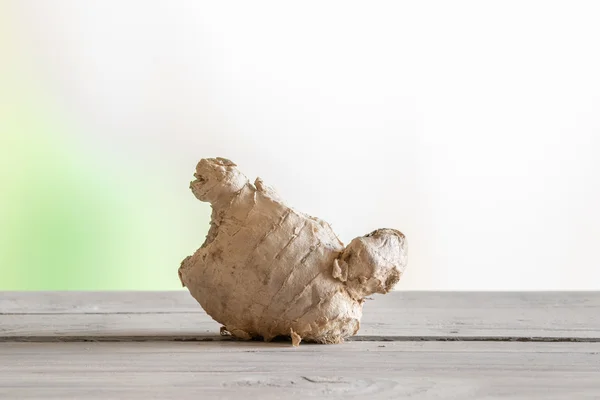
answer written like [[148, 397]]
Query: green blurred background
[[73, 216], [479, 142]]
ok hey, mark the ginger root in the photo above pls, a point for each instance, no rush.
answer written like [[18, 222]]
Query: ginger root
[[266, 270]]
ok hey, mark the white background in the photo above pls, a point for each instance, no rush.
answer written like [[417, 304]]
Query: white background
[[473, 127]]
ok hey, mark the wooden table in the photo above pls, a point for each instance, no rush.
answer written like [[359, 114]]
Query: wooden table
[[418, 345]]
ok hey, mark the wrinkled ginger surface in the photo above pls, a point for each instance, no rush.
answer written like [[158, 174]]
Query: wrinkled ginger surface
[[266, 270]]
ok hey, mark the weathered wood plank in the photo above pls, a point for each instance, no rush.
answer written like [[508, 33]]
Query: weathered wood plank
[[106, 302], [424, 370], [123, 327], [399, 315], [181, 301]]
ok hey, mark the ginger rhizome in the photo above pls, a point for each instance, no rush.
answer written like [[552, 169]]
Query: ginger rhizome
[[266, 270]]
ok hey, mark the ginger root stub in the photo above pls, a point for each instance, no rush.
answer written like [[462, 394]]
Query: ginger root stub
[[266, 270]]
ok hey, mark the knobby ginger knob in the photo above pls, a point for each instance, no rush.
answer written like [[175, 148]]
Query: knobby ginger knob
[[266, 270]]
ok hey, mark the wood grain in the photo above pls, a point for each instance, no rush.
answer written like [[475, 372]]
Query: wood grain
[[41, 316], [405, 349], [424, 370]]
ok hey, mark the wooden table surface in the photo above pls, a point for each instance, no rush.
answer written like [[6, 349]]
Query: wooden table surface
[[417, 345]]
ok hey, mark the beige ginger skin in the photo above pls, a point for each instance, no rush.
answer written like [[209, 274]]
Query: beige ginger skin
[[266, 270]]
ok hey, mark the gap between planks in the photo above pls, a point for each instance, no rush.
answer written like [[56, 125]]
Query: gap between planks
[[398, 316], [112, 339]]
